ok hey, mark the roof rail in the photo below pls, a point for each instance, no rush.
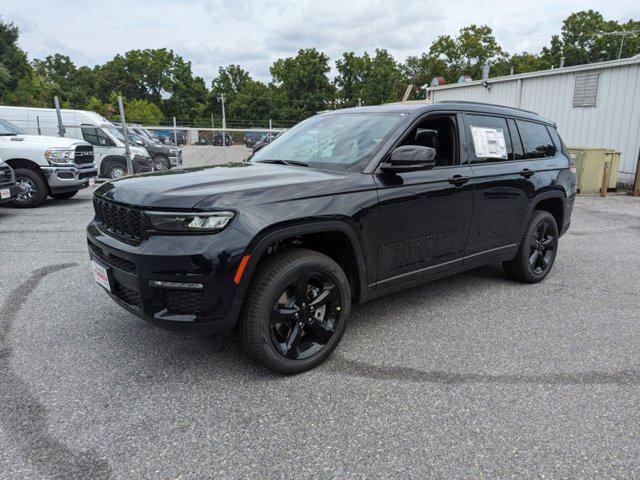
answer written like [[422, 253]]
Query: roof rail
[[490, 104]]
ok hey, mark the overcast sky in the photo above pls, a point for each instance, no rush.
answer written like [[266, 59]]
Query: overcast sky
[[254, 34]]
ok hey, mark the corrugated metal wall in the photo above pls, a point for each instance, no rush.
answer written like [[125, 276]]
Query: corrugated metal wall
[[614, 123]]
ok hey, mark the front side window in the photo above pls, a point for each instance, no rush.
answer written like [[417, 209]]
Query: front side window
[[339, 142], [536, 140], [489, 138], [95, 136]]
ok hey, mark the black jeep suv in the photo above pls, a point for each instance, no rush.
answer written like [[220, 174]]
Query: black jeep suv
[[346, 206]]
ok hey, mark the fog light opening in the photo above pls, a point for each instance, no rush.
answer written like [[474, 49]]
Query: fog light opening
[[177, 285]]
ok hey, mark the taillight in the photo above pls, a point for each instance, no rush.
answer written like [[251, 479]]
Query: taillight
[[572, 168]]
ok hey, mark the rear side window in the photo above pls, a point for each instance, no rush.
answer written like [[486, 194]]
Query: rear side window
[[489, 138], [558, 141], [536, 140]]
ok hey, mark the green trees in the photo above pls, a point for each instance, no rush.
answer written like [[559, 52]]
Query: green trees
[[369, 80], [158, 84]]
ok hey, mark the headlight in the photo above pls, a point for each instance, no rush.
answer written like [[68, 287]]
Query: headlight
[[190, 222], [60, 155]]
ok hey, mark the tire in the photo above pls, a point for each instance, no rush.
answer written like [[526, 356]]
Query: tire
[[161, 163], [116, 171], [266, 340], [33, 188], [537, 251], [63, 196]]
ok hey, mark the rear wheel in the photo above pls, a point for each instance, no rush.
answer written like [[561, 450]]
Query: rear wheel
[[32, 188], [297, 312], [537, 251], [63, 196]]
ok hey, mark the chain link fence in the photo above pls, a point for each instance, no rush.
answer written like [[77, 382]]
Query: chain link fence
[[149, 148]]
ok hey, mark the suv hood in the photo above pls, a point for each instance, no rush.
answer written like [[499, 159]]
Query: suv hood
[[44, 141], [221, 186]]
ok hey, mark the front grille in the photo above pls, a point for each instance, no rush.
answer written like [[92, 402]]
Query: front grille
[[83, 154], [5, 174], [112, 260], [128, 296], [123, 221], [182, 302]]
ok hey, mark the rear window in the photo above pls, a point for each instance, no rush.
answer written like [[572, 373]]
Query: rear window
[[536, 140]]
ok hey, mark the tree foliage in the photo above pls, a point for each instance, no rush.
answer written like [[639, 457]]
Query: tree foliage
[[158, 84]]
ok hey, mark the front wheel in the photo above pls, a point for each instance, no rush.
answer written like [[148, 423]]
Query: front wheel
[[161, 163], [537, 251], [297, 311], [32, 188]]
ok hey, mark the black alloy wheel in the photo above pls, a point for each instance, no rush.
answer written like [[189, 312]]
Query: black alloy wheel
[[537, 251], [295, 311], [304, 318], [542, 248]]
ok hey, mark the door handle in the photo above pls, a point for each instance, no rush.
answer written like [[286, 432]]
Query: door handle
[[526, 173], [458, 180]]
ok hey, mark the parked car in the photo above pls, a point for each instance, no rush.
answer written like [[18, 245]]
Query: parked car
[[45, 166], [345, 207], [8, 188], [218, 142], [107, 141], [251, 138], [266, 140], [164, 157]]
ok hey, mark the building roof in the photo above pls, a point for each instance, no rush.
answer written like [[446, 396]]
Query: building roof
[[541, 73]]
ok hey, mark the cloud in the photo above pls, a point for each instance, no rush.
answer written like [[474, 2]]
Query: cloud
[[255, 33]]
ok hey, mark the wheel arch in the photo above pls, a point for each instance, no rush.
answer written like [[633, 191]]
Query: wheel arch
[[23, 163], [309, 234], [550, 201], [114, 159]]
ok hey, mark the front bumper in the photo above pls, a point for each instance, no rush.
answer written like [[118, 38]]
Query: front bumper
[[208, 260], [66, 179], [176, 160]]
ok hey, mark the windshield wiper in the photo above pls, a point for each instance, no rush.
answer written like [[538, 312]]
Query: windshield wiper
[[8, 134], [284, 162]]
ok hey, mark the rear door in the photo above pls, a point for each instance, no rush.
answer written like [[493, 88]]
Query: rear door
[[507, 174]]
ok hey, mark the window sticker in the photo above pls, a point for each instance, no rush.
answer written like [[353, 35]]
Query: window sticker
[[489, 142]]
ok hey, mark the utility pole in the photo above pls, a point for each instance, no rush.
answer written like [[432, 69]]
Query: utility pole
[[224, 121], [127, 152], [56, 103], [175, 132]]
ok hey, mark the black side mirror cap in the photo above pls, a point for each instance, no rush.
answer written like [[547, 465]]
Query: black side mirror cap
[[410, 157]]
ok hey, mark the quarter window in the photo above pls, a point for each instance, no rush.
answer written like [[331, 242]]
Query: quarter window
[[536, 140], [489, 138]]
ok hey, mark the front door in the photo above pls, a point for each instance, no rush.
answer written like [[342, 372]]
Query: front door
[[424, 216]]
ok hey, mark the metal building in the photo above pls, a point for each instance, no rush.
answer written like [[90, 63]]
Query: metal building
[[595, 105]]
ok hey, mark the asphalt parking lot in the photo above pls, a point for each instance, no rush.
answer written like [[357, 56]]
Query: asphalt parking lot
[[473, 376]]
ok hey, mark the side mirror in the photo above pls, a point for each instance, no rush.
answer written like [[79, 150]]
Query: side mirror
[[408, 158]]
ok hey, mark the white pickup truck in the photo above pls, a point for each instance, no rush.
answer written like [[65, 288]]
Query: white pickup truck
[[53, 166]]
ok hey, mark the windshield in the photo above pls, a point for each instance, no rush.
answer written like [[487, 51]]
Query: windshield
[[7, 128], [114, 132], [331, 142]]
